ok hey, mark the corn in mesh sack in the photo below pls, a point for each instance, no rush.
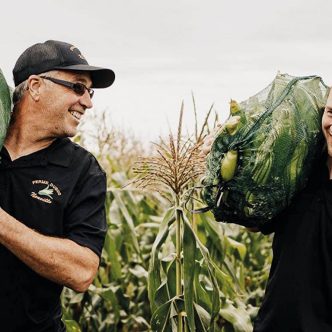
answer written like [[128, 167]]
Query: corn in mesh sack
[[263, 153], [5, 108]]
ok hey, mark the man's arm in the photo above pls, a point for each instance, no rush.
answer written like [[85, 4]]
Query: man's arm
[[60, 260]]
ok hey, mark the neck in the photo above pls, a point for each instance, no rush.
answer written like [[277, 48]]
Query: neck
[[24, 138]]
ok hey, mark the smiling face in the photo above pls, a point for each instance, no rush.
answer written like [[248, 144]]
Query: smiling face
[[62, 109], [327, 124]]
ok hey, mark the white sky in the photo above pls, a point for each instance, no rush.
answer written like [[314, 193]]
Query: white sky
[[161, 51]]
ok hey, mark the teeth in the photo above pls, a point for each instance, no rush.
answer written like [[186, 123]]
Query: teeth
[[76, 115]]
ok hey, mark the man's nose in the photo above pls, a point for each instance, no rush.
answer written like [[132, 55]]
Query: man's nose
[[85, 100]]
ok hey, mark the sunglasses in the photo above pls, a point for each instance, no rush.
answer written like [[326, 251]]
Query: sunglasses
[[78, 88]]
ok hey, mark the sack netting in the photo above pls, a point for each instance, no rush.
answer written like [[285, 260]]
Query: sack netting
[[5, 108], [272, 139]]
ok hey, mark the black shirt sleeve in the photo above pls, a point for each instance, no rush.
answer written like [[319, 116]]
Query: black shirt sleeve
[[268, 227], [85, 219]]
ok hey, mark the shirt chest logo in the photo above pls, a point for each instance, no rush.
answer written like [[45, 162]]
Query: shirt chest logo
[[44, 191]]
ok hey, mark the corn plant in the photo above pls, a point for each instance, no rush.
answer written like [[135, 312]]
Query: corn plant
[[118, 298], [162, 267], [185, 284]]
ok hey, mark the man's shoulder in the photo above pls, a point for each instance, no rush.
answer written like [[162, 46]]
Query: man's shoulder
[[67, 153]]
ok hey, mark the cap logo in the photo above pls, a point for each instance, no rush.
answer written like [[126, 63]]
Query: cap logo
[[75, 50]]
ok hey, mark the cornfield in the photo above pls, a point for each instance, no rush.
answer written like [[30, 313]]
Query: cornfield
[[164, 268]]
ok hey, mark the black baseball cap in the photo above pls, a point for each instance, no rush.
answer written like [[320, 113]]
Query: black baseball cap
[[58, 55]]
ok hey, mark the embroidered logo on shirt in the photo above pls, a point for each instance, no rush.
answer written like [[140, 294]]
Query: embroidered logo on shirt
[[47, 193]]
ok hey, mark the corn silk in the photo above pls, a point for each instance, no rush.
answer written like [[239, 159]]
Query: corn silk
[[263, 154], [5, 108]]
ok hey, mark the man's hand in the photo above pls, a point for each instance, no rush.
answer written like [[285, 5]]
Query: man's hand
[[60, 260]]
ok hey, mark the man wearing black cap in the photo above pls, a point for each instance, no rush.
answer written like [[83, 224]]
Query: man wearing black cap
[[52, 191]]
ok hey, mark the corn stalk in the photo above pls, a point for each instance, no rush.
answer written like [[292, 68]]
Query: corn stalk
[[179, 279], [216, 259], [184, 290]]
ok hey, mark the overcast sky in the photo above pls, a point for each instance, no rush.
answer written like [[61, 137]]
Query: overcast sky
[[162, 51]]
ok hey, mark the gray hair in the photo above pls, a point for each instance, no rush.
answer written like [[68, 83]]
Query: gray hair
[[19, 91]]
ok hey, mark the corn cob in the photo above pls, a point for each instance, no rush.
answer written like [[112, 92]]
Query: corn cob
[[232, 124], [228, 165], [262, 156]]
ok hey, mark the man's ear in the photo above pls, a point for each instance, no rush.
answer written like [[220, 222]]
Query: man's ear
[[33, 87]]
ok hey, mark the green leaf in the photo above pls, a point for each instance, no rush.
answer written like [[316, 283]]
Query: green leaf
[[170, 271], [202, 318], [109, 294], [161, 295], [113, 255], [160, 321], [240, 247], [189, 257], [201, 295], [138, 271], [148, 225], [72, 326], [215, 233], [77, 298], [5, 107], [128, 219], [238, 317], [212, 269], [154, 279]]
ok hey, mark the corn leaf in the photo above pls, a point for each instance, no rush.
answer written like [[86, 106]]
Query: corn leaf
[[212, 269], [72, 326], [128, 219], [202, 318], [201, 295], [154, 280], [238, 317], [241, 248], [112, 255], [189, 257], [160, 321]]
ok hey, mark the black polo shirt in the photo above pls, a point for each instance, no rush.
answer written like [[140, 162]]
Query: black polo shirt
[[298, 296], [58, 191]]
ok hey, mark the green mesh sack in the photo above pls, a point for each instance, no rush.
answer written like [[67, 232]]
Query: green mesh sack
[[263, 153], [5, 108]]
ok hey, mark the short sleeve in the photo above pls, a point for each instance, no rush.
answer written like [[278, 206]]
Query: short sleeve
[[271, 226], [85, 219], [268, 227]]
